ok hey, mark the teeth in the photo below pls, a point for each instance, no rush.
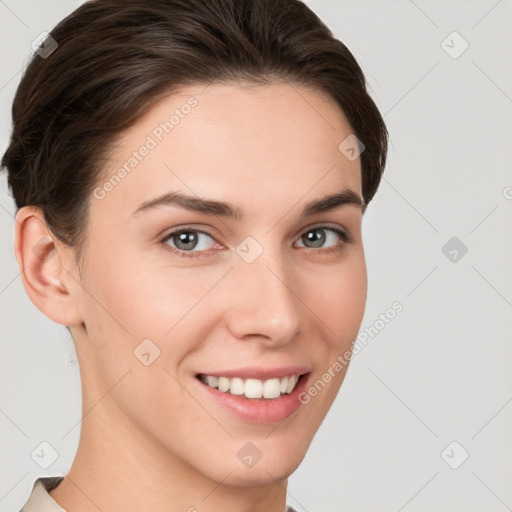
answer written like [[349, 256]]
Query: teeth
[[291, 383], [252, 388], [223, 384], [212, 381], [236, 386], [272, 388]]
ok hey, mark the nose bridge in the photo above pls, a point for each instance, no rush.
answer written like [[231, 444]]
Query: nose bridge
[[265, 303]]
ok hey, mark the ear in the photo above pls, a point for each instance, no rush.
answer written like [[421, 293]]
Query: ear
[[47, 268]]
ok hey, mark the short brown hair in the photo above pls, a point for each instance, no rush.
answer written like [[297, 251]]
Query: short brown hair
[[116, 57]]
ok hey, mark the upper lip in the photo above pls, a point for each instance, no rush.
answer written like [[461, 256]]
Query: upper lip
[[261, 373]]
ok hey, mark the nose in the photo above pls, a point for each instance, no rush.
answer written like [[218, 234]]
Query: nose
[[264, 304]]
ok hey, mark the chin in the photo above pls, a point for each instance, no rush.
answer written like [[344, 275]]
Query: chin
[[262, 474], [274, 464]]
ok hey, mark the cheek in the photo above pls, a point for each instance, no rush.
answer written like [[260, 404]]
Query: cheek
[[132, 303], [338, 298], [145, 300], [129, 311]]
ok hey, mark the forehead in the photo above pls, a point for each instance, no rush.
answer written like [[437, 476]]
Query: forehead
[[232, 141]]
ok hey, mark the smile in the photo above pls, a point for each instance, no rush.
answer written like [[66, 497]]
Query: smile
[[256, 395], [252, 388]]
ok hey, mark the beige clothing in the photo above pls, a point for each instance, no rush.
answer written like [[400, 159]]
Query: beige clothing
[[40, 500]]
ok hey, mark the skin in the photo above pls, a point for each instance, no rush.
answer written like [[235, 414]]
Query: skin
[[149, 434]]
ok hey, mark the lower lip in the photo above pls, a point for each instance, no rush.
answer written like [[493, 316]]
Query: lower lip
[[259, 410]]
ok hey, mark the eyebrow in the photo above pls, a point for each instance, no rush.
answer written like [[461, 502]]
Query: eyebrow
[[220, 208]]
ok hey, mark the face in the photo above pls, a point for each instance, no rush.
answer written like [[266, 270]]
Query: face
[[185, 296]]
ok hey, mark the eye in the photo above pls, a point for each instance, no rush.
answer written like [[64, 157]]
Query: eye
[[316, 238], [191, 241]]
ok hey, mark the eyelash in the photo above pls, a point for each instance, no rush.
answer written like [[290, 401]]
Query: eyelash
[[345, 237]]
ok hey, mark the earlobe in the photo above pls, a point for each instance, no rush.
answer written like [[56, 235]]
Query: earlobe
[[42, 264]]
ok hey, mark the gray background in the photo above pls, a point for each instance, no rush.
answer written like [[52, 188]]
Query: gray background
[[441, 370]]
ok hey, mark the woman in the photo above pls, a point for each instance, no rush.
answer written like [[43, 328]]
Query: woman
[[190, 178]]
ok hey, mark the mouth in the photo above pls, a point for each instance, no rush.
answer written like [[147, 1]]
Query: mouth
[[268, 389], [269, 399]]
